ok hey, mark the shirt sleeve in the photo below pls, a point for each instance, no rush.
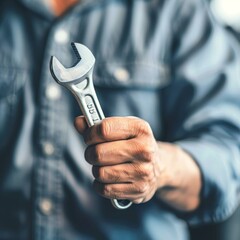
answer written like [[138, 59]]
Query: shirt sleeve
[[202, 107]]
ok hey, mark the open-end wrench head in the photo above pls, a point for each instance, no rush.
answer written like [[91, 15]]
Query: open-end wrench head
[[76, 73]]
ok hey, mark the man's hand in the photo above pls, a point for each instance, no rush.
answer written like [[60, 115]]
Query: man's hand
[[125, 158], [128, 163]]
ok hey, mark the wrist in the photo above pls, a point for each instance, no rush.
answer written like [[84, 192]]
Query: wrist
[[180, 181], [169, 156]]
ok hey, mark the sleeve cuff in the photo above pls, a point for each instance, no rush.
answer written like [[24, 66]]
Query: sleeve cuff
[[220, 182]]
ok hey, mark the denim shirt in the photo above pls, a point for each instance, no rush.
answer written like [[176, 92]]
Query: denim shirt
[[165, 61]]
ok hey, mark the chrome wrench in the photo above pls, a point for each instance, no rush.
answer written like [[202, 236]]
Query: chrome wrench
[[79, 80]]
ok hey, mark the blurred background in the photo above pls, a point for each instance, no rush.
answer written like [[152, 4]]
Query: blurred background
[[227, 13]]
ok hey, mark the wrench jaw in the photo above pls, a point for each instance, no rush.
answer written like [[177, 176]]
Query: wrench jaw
[[57, 70], [64, 76], [76, 73]]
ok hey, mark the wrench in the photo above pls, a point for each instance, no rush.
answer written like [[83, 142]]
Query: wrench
[[79, 80]]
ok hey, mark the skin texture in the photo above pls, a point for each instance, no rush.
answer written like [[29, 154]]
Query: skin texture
[[60, 6], [128, 163]]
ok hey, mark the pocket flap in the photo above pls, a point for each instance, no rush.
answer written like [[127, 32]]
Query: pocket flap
[[132, 74]]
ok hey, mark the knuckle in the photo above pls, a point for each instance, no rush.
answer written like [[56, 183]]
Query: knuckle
[[145, 128], [111, 176], [106, 190], [139, 147], [106, 175], [104, 129], [98, 154], [141, 171], [148, 152], [146, 125], [146, 172], [101, 174], [141, 188], [144, 151], [137, 169]]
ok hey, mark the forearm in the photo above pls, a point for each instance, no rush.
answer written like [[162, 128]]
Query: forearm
[[180, 183]]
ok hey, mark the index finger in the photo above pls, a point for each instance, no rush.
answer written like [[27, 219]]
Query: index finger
[[80, 124], [115, 129]]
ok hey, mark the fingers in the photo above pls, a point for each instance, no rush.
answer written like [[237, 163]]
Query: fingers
[[112, 129], [118, 152], [106, 154], [122, 173], [135, 182], [80, 124], [134, 193], [124, 153]]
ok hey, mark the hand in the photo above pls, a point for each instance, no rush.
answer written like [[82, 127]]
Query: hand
[[128, 163], [124, 156]]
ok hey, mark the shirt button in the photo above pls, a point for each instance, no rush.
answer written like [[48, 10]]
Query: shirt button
[[46, 206], [53, 92], [61, 36], [48, 148], [121, 74]]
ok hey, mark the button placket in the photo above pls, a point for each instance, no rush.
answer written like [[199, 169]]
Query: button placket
[[121, 74], [61, 36], [48, 148], [53, 92], [52, 136], [46, 206]]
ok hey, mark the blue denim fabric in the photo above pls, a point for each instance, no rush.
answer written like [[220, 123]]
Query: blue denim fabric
[[182, 77]]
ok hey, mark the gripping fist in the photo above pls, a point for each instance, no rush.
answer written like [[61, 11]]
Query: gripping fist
[[124, 156]]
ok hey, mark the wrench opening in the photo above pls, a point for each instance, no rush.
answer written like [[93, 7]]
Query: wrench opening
[[78, 71]]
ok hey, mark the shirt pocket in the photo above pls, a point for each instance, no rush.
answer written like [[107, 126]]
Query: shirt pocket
[[132, 89], [12, 81], [143, 75]]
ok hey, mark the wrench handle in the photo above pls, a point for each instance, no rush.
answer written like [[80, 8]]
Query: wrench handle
[[93, 113]]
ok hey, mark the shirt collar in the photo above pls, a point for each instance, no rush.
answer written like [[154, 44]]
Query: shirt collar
[[43, 6], [40, 6]]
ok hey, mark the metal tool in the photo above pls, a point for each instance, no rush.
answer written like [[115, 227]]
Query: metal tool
[[79, 80]]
